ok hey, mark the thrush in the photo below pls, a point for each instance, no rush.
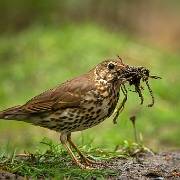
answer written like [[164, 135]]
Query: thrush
[[75, 105]]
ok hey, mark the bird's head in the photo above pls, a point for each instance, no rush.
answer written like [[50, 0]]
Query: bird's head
[[109, 70]]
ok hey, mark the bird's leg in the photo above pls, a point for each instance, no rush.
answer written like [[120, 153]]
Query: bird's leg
[[88, 161], [64, 139]]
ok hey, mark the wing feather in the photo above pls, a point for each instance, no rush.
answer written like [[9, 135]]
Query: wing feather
[[66, 95]]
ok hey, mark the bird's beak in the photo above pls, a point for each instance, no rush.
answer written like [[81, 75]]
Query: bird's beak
[[123, 66]]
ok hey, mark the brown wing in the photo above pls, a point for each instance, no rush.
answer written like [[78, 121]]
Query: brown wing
[[68, 94]]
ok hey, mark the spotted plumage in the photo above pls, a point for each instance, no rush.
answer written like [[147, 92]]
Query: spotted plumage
[[75, 105]]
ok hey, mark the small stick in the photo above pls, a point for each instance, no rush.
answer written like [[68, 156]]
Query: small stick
[[122, 104], [151, 93], [119, 57], [140, 94]]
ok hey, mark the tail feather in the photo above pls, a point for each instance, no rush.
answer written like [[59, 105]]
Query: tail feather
[[1, 114], [9, 112]]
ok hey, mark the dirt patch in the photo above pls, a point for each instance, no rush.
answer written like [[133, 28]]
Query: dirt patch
[[161, 166], [6, 175]]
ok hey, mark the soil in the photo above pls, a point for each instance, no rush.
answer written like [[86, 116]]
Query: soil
[[144, 166], [161, 166]]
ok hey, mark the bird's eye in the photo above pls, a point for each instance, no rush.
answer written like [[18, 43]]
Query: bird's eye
[[110, 66]]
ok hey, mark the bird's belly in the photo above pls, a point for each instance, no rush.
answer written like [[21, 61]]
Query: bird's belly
[[74, 119], [81, 119]]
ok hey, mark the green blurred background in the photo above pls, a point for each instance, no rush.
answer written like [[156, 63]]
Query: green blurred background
[[43, 43]]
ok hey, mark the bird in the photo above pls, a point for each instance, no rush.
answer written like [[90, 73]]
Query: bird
[[75, 105]]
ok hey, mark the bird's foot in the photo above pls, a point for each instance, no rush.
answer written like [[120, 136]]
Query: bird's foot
[[89, 161], [83, 166]]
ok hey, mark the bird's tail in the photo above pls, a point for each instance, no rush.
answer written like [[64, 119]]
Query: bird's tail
[[9, 113], [1, 114]]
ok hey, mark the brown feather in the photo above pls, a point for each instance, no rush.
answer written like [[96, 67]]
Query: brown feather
[[66, 95]]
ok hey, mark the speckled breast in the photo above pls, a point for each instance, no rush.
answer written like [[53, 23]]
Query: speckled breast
[[95, 108]]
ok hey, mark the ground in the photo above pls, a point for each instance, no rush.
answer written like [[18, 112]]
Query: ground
[[160, 166]]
